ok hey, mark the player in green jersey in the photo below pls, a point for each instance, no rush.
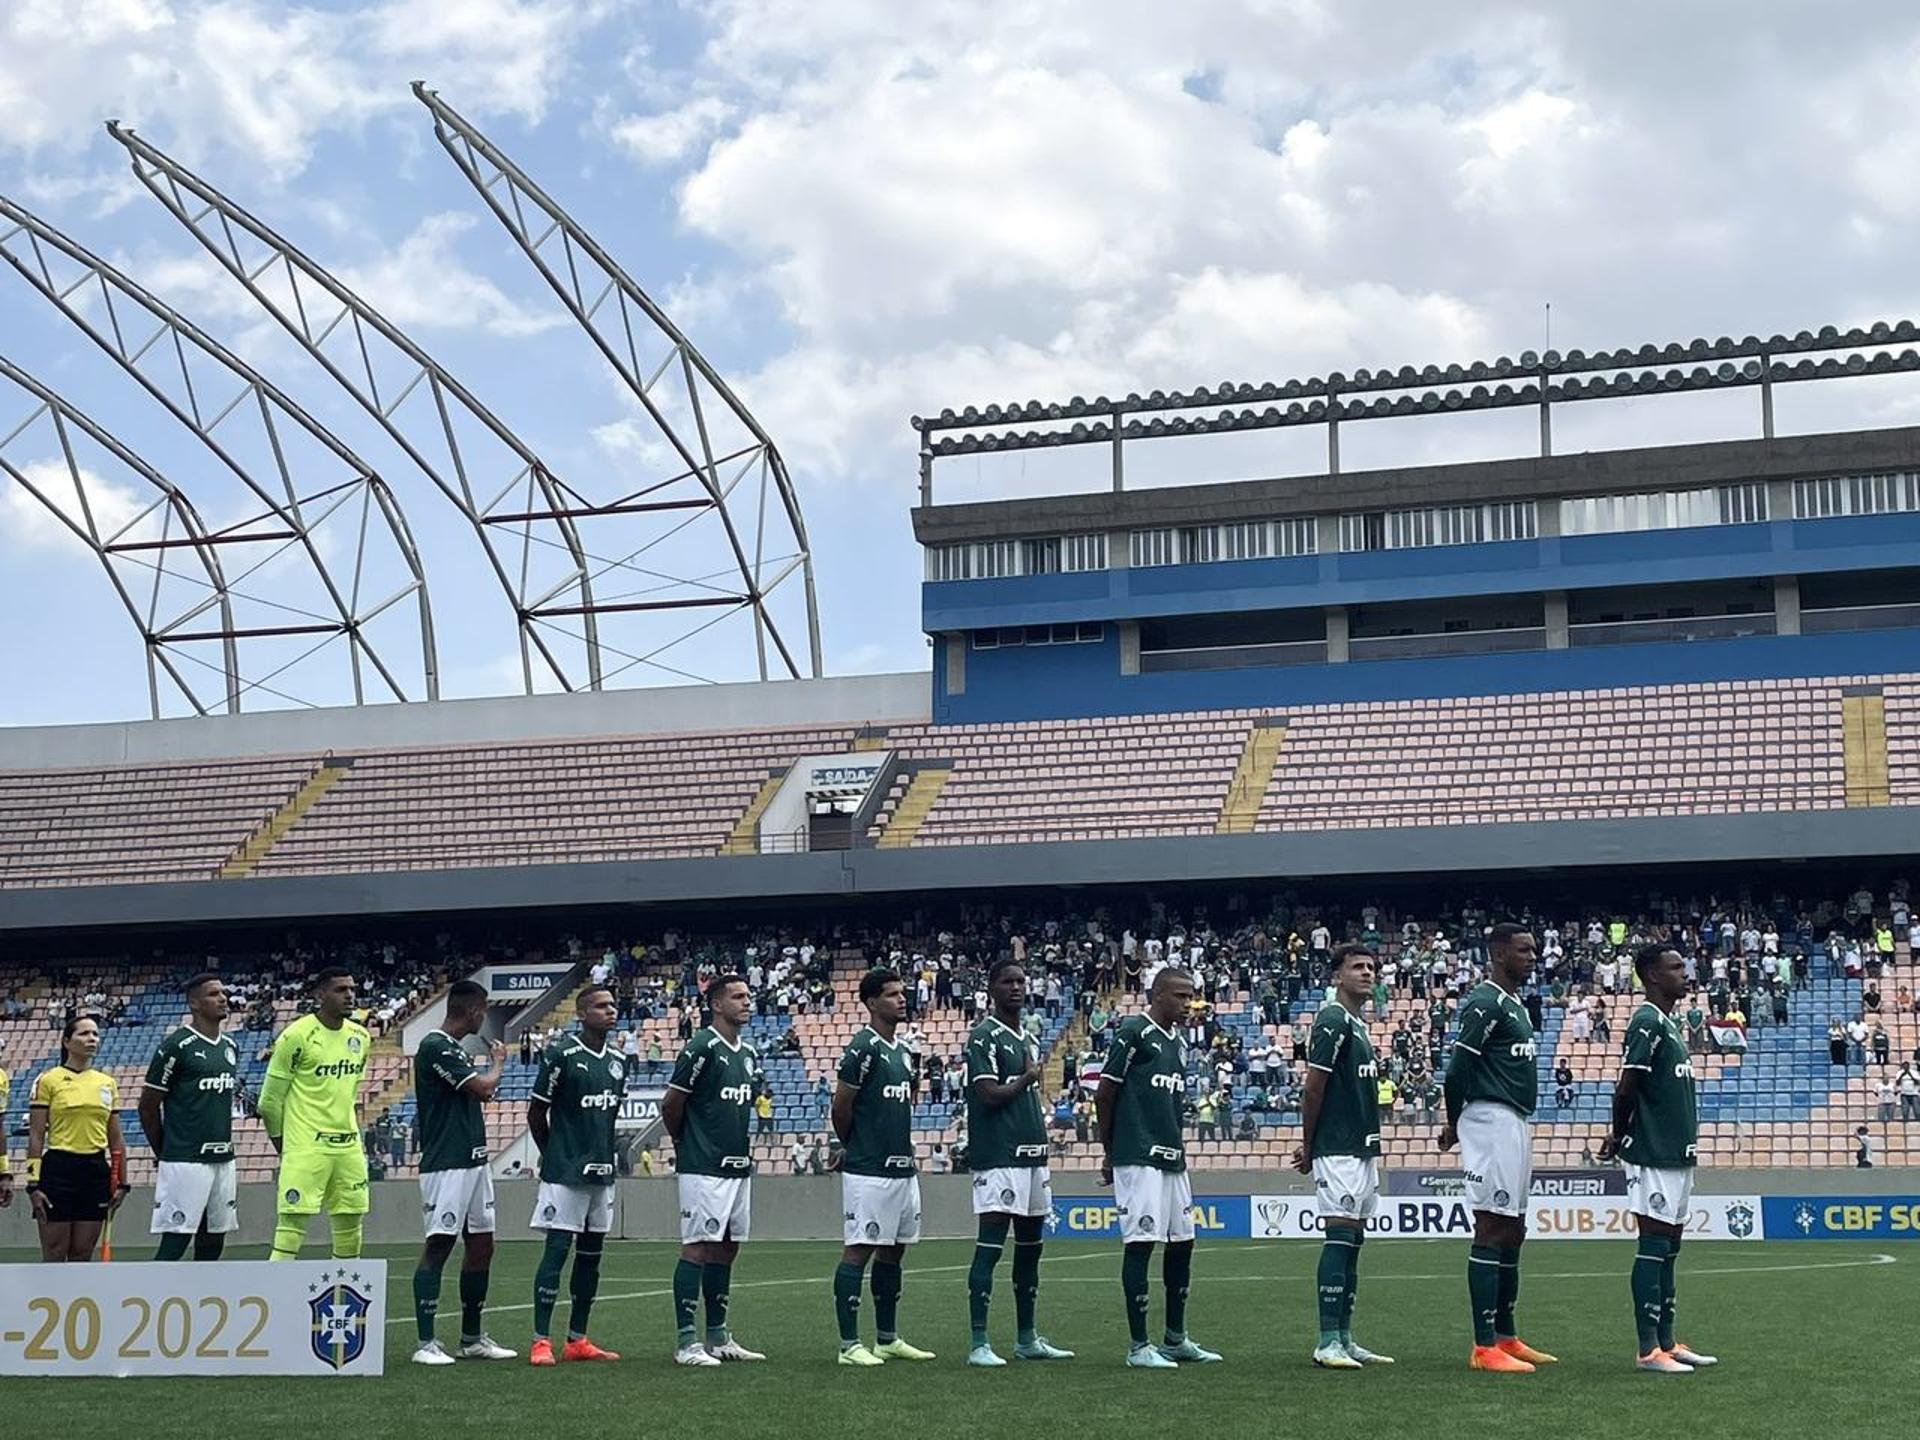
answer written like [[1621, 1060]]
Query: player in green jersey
[[1139, 1104], [456, 1187], [186, 1110], [1007, 1152], [708, 1106], [1656, 1127], [879, 1177], [1491, 1088], [576, 1100], [1340, 1148], [310, 1105]]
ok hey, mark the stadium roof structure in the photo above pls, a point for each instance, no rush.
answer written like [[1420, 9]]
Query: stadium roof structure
[[1534, 379]]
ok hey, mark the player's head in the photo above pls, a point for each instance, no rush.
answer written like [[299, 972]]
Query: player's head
[[1171, 997], [80, 1040], [333, 993], [597, 1009], [1353, 973], [206, 998], [466, 1008], [730, 1000], [1007, 986], [885, 997], [1510, 948], [1663, 974]]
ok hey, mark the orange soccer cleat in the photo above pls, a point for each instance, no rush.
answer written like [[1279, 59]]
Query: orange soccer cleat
[[585, 1349], [1520, 1350], [541, 1353], [1492, 1357]]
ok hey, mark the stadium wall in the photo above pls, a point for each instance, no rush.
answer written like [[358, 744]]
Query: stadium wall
[[1852, 835]]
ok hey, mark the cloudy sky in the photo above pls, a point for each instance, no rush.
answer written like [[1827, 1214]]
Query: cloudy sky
[[861, 210]]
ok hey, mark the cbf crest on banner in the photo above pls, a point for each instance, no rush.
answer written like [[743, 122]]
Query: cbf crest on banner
[[340, 1310]]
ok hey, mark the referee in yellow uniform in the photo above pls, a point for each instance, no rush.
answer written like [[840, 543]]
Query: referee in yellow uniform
[[73, 1129], [6, 1171]]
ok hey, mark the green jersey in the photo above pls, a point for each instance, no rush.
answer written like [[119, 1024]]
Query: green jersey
[[1349, 1122], [321, 1070], [1494, 1053], [1665, 1126], [881, 1142], [1150, 1067], [719, 1077], [196, 1079], [582, 1089], [453, 1128], [1013, 1135]]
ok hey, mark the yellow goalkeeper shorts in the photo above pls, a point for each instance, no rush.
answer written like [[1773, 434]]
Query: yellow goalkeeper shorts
[[324, 1176]]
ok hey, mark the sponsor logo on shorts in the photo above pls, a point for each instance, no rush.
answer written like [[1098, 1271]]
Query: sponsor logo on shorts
[[1006, 1197], [1659, 1201], [447, 1217], [1500, 1197], [1146, 1223], [713, 1225], [873, 1229], [179, 1216], [549, 1211], [1346, 1199]]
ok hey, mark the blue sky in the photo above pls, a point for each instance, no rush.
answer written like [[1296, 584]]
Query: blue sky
[[860, 210]]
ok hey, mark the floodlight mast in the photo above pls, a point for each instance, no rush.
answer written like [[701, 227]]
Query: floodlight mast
[[280, 420], [181, 532], [585, 276], [497, 483]]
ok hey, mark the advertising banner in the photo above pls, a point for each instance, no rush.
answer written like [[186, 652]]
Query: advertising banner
[[247, 1317], [1559, 1183], [1842, 1217], [1095, 1217], [1606, 1217]]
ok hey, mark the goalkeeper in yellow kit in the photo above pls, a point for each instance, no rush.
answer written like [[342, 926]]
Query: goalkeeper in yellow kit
[[310, 1106]]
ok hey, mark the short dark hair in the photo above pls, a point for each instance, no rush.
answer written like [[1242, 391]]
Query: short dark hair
[[585, 997], [721, 982], [1647, 956], [1505, 933], [1344, 953], [463, 995], [205, 977], [1163, 972], [876, 980], [1005, 962], [326, 976]]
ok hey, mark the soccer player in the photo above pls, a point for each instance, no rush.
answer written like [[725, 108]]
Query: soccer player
[[576, 1100], [1007, 1152], [1339, 1147], [76, 1158], [456, 1187], [310, 1105], [186, 1110], [1142, 1090], [1656, 1126], [872, 1113], [1491, 1088], [707, 1109]]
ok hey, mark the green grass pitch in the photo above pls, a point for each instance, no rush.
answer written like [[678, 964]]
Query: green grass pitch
[[1809, 1335]]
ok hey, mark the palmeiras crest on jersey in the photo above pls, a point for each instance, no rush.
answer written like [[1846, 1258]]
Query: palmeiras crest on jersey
[[339, 1315], [1740, 1220]]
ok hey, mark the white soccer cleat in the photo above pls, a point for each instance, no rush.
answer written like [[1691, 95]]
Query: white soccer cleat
[[1334, 1357], [1688, 1356], [1042, 1349], [430, 1353], [732, 1349], [693, 1355], [1364, 1355], [1147, 1357], [484, 1348], [1186, 1352], [1659, 1362], [982, 1357]]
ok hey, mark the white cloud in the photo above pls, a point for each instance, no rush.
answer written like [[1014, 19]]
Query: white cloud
[[670, 135], [31, 522], [422, 284]]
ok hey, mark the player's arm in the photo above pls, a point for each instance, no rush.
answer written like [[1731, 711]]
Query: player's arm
[[273, 1090], [1106, 1098], [1636, 1064], [854, 1065], [1476, 1023], [545, 1086], [454, 1068], [1323, 1049], [673, 1108], [153, 1094], [37, 1111], [117, 1160], [983, 1076]]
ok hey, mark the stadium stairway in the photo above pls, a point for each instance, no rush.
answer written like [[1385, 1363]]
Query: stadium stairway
[[1864, 735], [1251, 778], [744, 838], [911, 814]]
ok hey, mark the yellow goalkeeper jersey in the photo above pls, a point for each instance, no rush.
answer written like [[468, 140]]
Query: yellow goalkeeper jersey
[[320, 1071]]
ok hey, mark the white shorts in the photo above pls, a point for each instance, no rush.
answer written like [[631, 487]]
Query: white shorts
[[579, 1208], [1496, 1151], [453, 1201], [1154, 1204], [187, 1191], [1347, 1187], [1013, 1190], [1665, 1195], [881, 1209], [715, 1207]]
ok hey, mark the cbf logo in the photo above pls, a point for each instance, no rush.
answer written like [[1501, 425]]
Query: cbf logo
[[339, 1320], [1804, 1217], [1740, 1220]]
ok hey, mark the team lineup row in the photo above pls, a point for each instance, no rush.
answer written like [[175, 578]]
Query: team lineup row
[[310, 1097]]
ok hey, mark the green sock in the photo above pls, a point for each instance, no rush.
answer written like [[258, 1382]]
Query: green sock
[[1133, 1285], [473, 1303], [426, 1299], [846, 1303], [173, 1247], [1331, 1285], [1027, 1244], [989, 1240], [886, 1301], [1503, 1322], [1177, 1273], [1649, 1270], [686, 1300], [546, 1280], [1483, 1290], [716, 1282], [289, 1234], [585, 1282], [1667, 1271], [1352, 1288]]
